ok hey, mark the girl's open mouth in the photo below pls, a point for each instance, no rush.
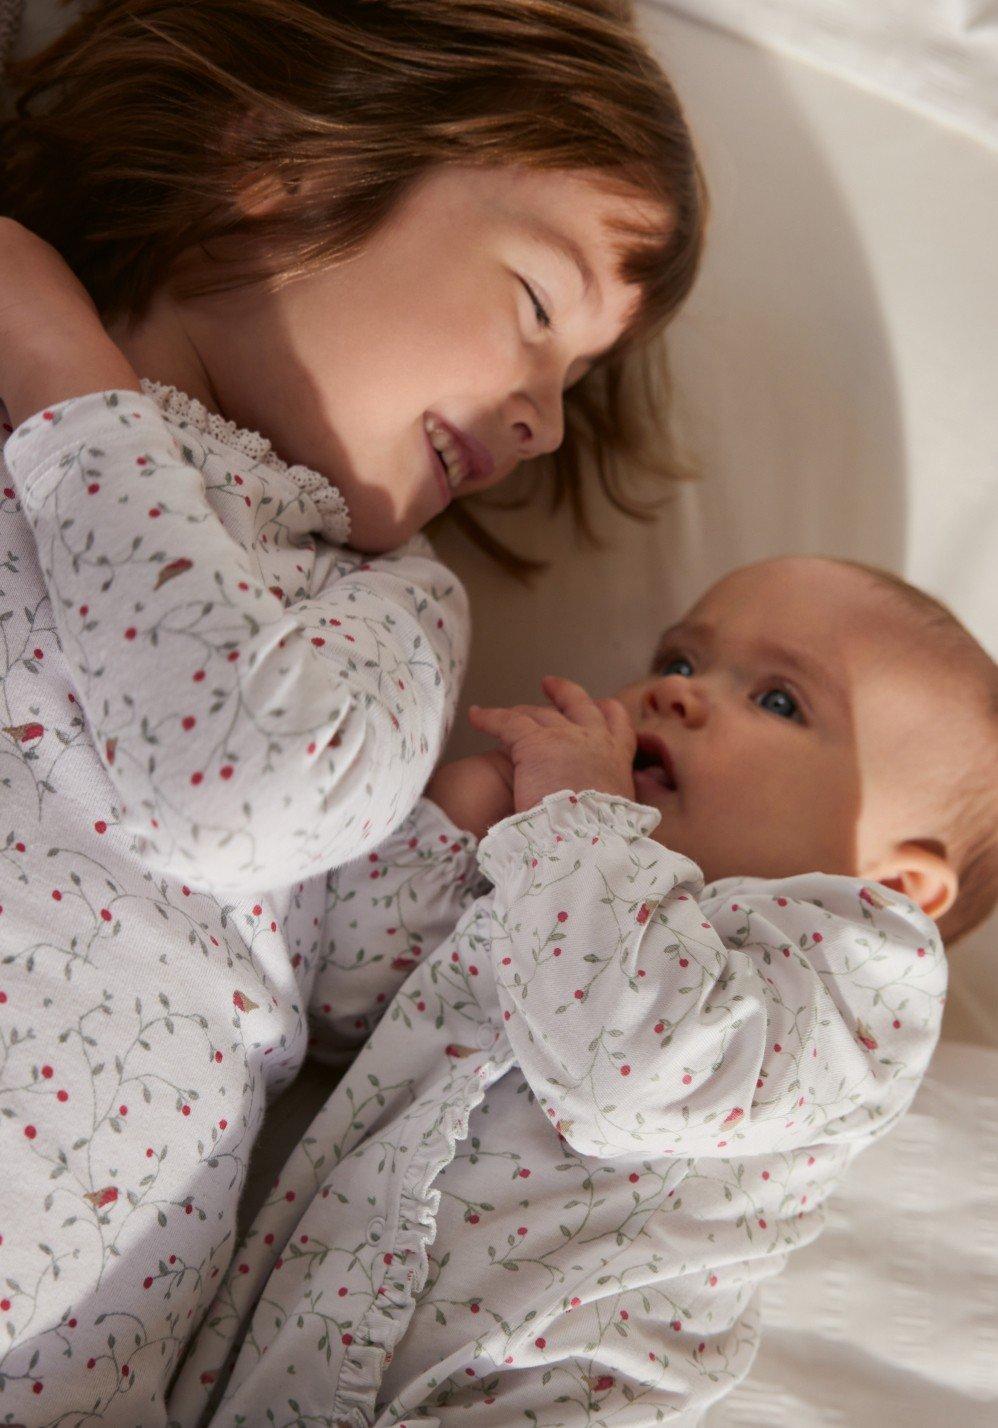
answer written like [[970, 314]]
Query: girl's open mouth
[[460, 454]]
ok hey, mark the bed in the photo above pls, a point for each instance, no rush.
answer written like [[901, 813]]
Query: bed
[[836, 375]]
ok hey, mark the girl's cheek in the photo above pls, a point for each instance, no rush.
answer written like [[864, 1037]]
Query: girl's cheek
[[491, 370]]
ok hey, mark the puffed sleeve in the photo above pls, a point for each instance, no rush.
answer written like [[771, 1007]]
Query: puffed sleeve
[[252, 741], [652, 1017], [385, 912]]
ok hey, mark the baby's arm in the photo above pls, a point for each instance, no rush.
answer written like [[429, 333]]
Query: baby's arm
[[650, 1018], [251, 740], [385, 912]]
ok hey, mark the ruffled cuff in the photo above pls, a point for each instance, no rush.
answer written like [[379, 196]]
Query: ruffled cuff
[[430, 821], [562, 818], [44, 444]]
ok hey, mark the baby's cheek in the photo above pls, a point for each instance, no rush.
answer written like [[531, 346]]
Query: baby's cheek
[[834, 796]]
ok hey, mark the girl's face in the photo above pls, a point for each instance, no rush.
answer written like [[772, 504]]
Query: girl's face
[[432, 363]]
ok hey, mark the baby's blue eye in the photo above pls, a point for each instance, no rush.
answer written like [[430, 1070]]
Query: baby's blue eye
[[678, 665], [778, 701]]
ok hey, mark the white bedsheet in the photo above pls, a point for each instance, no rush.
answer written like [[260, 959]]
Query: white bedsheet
[[891, 1317], [941, 56]]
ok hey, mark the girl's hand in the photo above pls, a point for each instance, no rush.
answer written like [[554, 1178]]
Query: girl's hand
[[52, 342], [581, 743], [474, 792]]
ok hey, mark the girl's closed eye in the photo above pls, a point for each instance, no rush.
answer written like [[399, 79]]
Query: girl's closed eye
[[540, 312]]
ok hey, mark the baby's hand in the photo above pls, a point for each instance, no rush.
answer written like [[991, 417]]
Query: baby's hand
[[474, 792], [52, 342], [581, 743]]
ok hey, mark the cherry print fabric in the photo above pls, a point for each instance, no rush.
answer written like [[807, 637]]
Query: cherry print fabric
[[159, 937], [239, 711], [591, 1121]]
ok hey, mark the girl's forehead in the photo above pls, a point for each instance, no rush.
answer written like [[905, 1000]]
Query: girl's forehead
[[582, 216]]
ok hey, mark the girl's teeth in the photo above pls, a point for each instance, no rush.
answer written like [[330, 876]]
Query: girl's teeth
[[452, 455]]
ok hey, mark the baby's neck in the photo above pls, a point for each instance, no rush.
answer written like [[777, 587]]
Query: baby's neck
[[160, 347]]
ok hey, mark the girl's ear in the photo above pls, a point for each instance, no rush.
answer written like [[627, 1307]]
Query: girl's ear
[[924, 874], [266, 190]]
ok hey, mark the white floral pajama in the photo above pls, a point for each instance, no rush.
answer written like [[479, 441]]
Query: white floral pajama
[[596, 1115], [206, 704]]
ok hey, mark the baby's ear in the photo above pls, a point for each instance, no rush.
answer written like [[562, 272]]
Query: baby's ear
[[923, 872]]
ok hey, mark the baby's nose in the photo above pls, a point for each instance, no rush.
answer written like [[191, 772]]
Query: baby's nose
[[679, 696]]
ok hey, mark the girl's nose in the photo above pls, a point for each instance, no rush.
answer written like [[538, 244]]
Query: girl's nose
[[538, 423], [678, 696]]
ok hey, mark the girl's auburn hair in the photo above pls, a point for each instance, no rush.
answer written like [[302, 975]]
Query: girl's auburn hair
[[138, 131]]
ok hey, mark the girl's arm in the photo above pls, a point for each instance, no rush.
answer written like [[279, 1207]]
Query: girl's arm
[[251, 740], [53, 345], [649, 1018], [385, 913]]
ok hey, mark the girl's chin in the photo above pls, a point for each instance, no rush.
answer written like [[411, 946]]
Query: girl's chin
[[375, 531]]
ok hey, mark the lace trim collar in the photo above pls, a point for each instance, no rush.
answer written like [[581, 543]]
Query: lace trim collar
[[177, 406]]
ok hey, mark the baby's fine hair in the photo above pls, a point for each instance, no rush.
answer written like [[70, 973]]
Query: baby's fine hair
[[139, 133], [968, 807]]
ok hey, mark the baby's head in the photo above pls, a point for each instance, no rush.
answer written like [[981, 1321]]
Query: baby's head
[[390, 236], [818, 715]]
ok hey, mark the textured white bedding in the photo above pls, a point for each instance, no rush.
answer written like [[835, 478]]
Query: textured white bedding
[[891, 1317], [940, 56]]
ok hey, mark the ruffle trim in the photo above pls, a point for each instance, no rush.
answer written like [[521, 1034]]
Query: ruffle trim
[[564, 816], [178, 407], [363, 1366]]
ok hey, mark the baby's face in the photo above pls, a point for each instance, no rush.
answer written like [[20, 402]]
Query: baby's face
[[783, 725]]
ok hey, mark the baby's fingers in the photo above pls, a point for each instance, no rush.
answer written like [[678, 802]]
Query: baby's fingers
[[618, 722], [572, 700], [506, 725]]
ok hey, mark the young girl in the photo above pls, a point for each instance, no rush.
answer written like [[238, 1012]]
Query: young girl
[[390, 236]]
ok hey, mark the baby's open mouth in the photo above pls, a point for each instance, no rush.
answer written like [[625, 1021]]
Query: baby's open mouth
[[652, 758]]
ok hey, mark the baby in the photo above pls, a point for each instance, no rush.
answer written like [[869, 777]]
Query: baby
[[607, 1100]]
